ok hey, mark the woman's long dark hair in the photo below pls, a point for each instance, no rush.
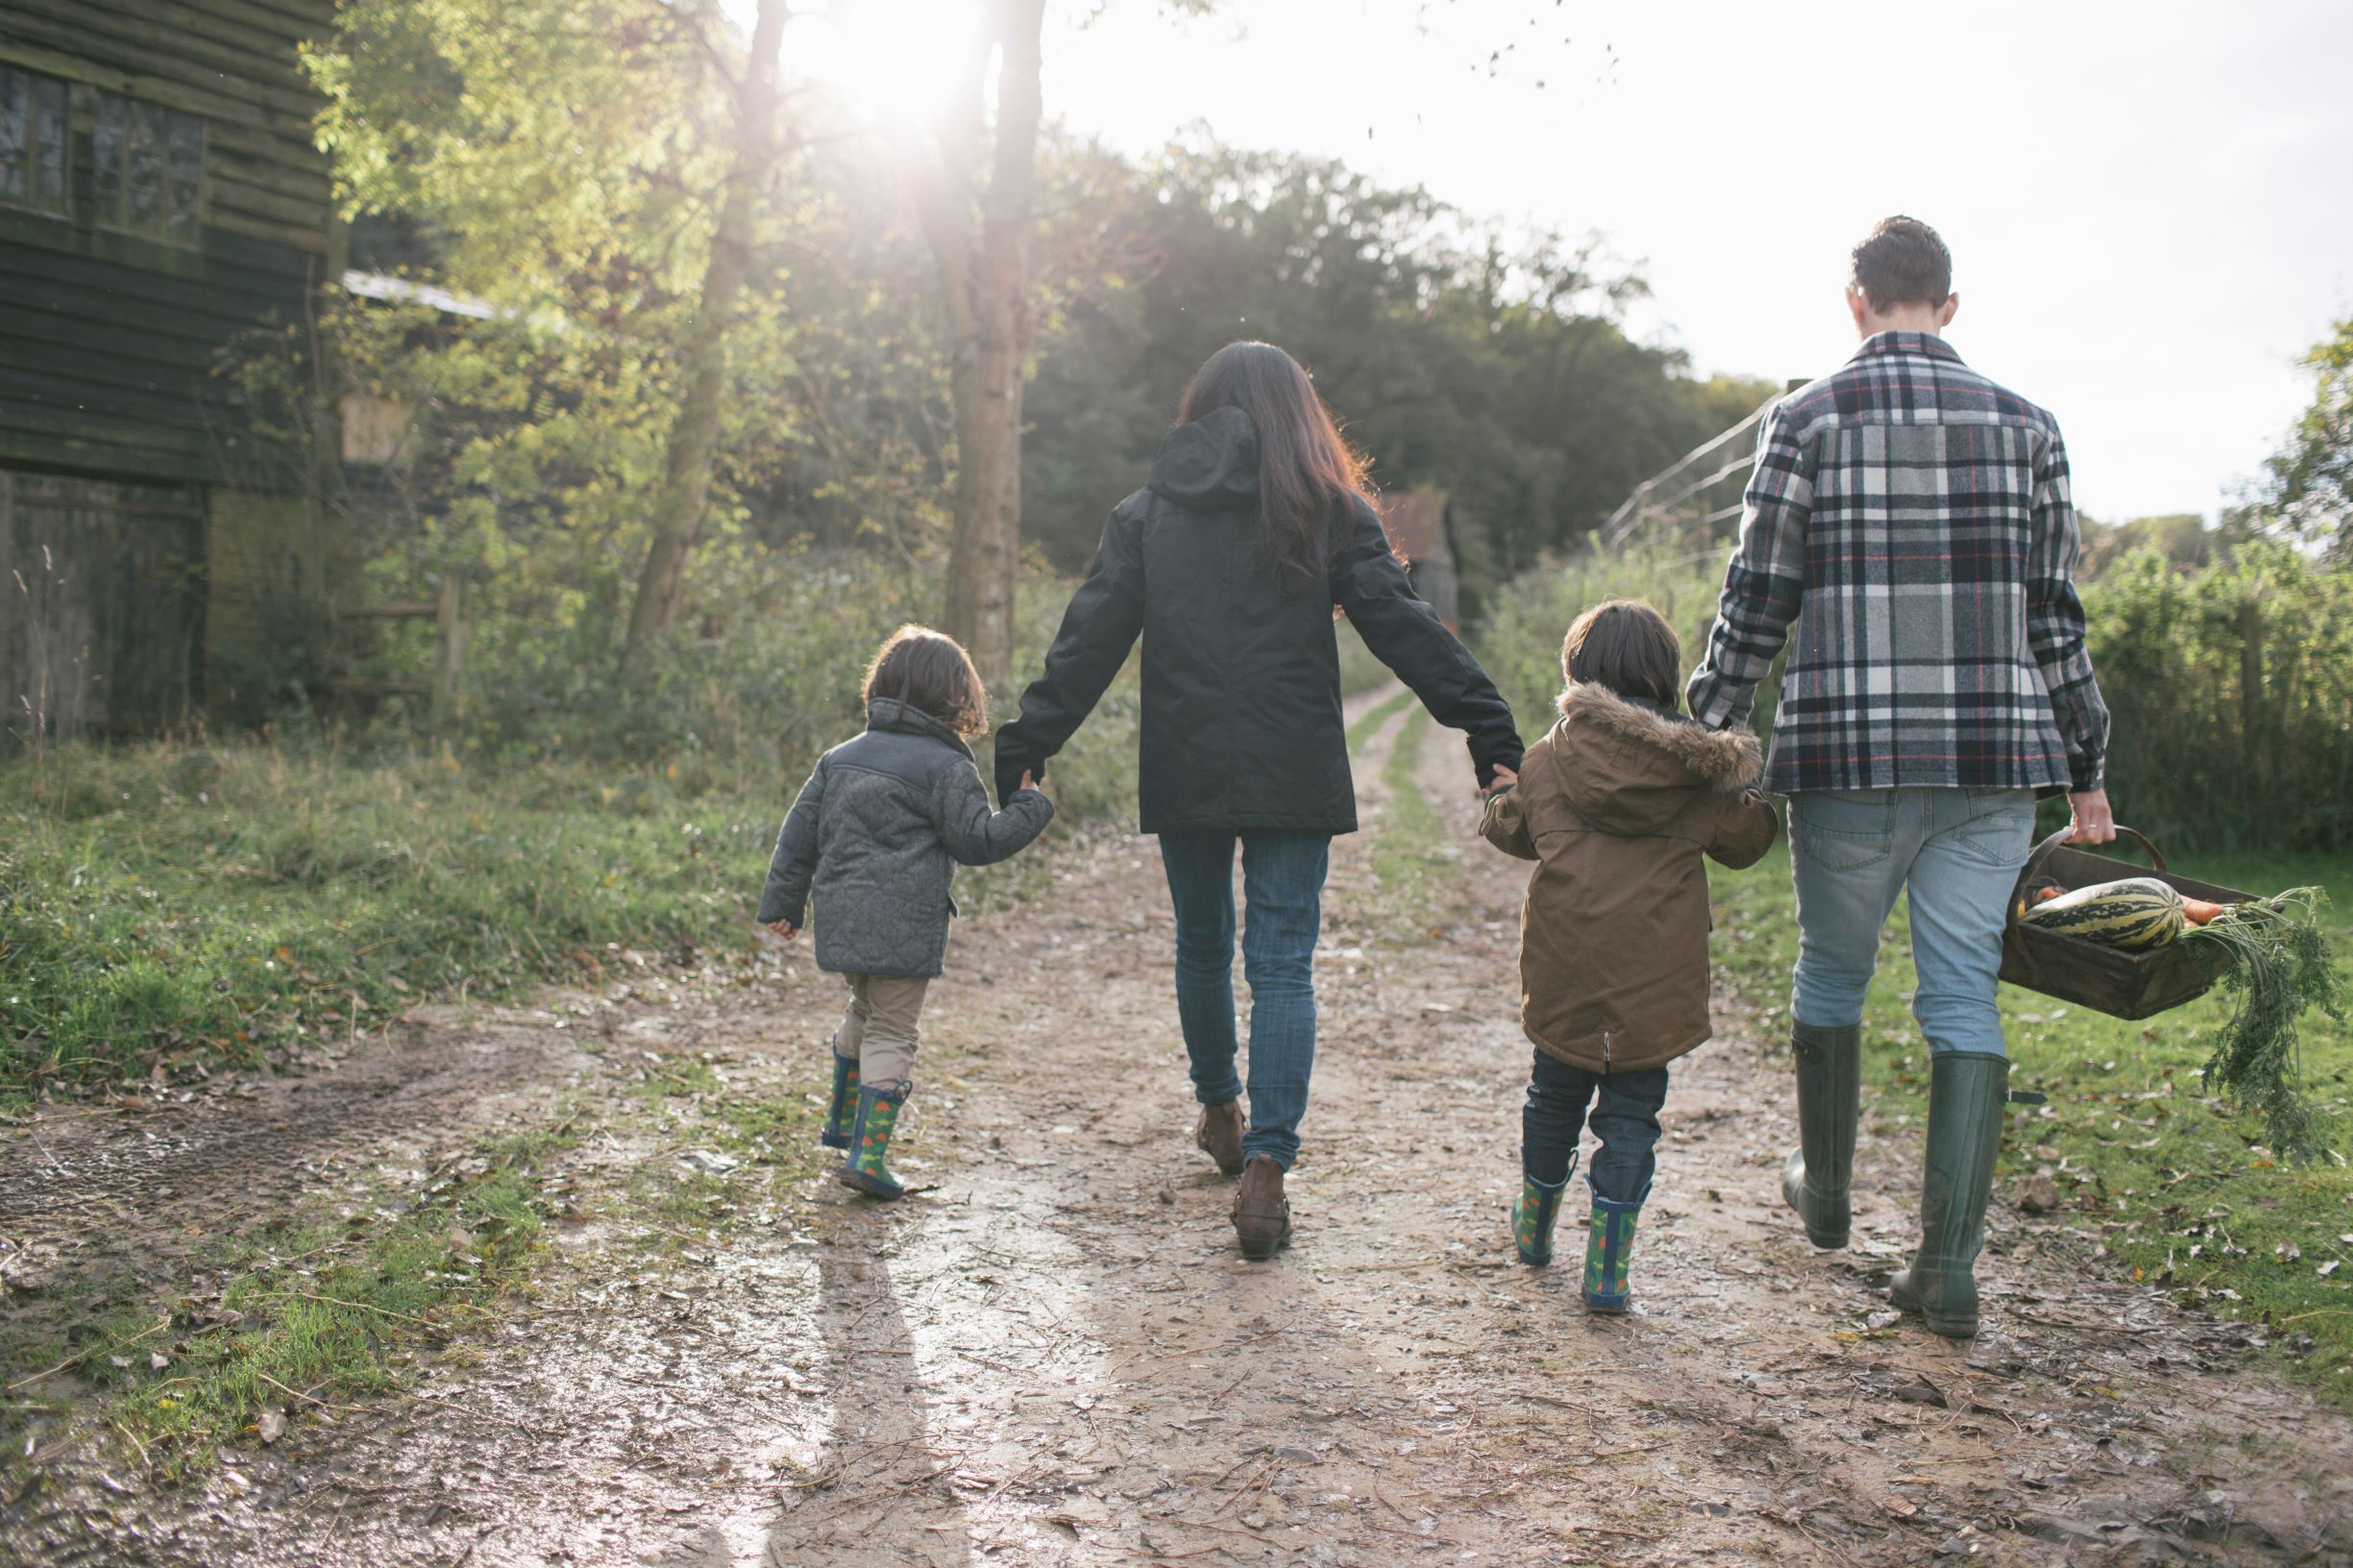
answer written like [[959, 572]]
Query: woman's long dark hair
[[1306, 466]]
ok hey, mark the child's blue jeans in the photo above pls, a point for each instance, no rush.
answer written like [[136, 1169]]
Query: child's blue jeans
[[1625, 1118], [1283, 887]]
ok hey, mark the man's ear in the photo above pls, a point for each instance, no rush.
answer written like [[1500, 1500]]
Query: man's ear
[[1952, 308], [1856, 305]]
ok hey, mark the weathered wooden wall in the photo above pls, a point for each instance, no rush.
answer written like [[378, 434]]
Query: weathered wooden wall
[[108, 337], [102, 606], [136, 514]]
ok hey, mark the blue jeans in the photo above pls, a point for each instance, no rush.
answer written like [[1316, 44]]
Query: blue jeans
[[1958, 851], [1282, 892], [1625, 1118]]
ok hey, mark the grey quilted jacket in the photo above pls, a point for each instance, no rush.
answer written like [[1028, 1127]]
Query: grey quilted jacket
[[876, 837]]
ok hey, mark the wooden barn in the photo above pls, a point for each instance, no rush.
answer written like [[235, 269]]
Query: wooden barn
[[1420, 525], [160, 196]]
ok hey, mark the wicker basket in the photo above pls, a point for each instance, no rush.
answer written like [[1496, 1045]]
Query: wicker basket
[[2091, 974]]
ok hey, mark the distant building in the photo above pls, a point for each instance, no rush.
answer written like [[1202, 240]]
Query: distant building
[[1421, 528], [160, 193]]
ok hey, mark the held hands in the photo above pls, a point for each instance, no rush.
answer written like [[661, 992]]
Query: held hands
[[783, 928], [1028, 780], [1505, 778], [2095, 822]]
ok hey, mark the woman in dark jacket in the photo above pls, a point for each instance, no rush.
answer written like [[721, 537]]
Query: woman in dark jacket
[[1254, 526]]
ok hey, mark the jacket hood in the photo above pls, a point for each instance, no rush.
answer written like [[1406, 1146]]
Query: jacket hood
[[1211, 465], [888, 713], [1629, 766]]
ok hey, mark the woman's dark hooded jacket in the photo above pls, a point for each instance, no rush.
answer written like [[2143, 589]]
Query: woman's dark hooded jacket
[[1241, 686]]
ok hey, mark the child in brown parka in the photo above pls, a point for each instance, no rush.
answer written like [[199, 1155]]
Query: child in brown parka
[[1617, 804]]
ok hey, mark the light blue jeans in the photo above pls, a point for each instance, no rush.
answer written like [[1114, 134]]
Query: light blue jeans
[[1283, 889], [1957, 851]]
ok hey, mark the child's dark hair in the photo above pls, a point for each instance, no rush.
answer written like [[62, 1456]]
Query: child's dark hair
[[1627, 646], [930, 671]]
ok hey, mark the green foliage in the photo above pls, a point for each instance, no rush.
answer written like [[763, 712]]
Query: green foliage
[[2277, 964], [2230, 689], [1519, 643], [2311, 475], [1501, 374]]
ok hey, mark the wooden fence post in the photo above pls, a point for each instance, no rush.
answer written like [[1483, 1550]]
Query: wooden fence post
[[450, 629]]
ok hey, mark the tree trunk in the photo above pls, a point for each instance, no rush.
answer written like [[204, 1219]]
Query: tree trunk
[[985, 276], [694, 436]]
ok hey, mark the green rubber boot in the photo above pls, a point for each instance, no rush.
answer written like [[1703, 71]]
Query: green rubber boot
[[1829, 1085], [842, 1113], [865, 1170], [1967, 1093], [1609, 1243], [1532, 1218]]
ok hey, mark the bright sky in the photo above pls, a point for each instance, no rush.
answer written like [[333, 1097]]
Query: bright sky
[[2149, 205]]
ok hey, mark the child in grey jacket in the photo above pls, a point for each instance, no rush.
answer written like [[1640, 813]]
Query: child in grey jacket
[[873, 842]]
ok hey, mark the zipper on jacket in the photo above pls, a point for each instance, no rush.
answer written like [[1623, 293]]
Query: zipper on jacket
[[1604, 1053]]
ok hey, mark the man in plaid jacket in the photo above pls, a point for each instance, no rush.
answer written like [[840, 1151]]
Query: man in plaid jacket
[[1911, 519]]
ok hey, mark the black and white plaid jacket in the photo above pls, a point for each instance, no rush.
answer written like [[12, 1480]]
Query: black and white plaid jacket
[[1912, 518]]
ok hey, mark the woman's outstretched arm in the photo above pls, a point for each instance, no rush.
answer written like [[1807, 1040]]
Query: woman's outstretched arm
[[1101, 624], [1405, 634]]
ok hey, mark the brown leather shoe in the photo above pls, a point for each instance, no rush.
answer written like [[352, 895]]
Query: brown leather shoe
[[1219, 1136], [1262, 1213]]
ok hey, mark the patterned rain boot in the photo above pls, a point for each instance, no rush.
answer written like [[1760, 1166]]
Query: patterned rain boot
[[1830, 1089], [865, 1172], [1533, 1214], [1968, 1092], [842, 1113], [1609, 1240]]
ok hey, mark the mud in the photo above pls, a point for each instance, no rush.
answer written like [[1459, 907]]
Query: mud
[[1052, 1356]]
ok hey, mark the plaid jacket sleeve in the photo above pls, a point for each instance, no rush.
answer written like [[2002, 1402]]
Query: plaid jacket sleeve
[[1765, 583], [2055, 621]]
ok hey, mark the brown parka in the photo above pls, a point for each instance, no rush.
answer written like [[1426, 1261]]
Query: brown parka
[[1617, 804]]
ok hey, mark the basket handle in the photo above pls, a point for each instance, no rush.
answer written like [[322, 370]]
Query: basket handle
[[2042, 852]]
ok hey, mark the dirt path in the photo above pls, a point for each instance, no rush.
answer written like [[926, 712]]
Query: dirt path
[[1053, 1356]]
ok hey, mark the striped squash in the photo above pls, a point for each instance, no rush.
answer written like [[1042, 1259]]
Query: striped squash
[[2138, 911]]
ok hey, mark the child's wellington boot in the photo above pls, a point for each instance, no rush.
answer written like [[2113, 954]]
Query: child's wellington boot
[[1533, 1217], [865, 1170], [1610, 1241], [842, 1113]]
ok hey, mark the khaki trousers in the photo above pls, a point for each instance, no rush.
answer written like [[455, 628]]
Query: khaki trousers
[[879, 1030]]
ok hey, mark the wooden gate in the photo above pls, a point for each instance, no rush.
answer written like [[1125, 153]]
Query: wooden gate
[[102, 606]]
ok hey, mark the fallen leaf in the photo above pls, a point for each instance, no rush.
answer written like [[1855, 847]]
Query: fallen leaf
[[272, 1425]]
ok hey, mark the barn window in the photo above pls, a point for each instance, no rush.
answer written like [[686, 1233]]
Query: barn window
[[147, 168], [32, 140]]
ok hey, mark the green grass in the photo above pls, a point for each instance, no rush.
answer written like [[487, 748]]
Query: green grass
[[2178, 1187], [164, 907], [1409, 848], [297, 1317], [1369, 723]]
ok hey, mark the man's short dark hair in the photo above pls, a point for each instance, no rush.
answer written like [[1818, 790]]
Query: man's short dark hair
[[1902, 262]]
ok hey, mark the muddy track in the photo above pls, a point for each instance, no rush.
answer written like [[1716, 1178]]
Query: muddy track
[[1053, 1356]]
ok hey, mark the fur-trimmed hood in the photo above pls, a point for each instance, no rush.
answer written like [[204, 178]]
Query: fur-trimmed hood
[[1629, 766]]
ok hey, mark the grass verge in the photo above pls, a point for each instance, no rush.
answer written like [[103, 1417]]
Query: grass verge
[[289, 1320], [1412, 851], [169, 909], [2172, 1185]]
